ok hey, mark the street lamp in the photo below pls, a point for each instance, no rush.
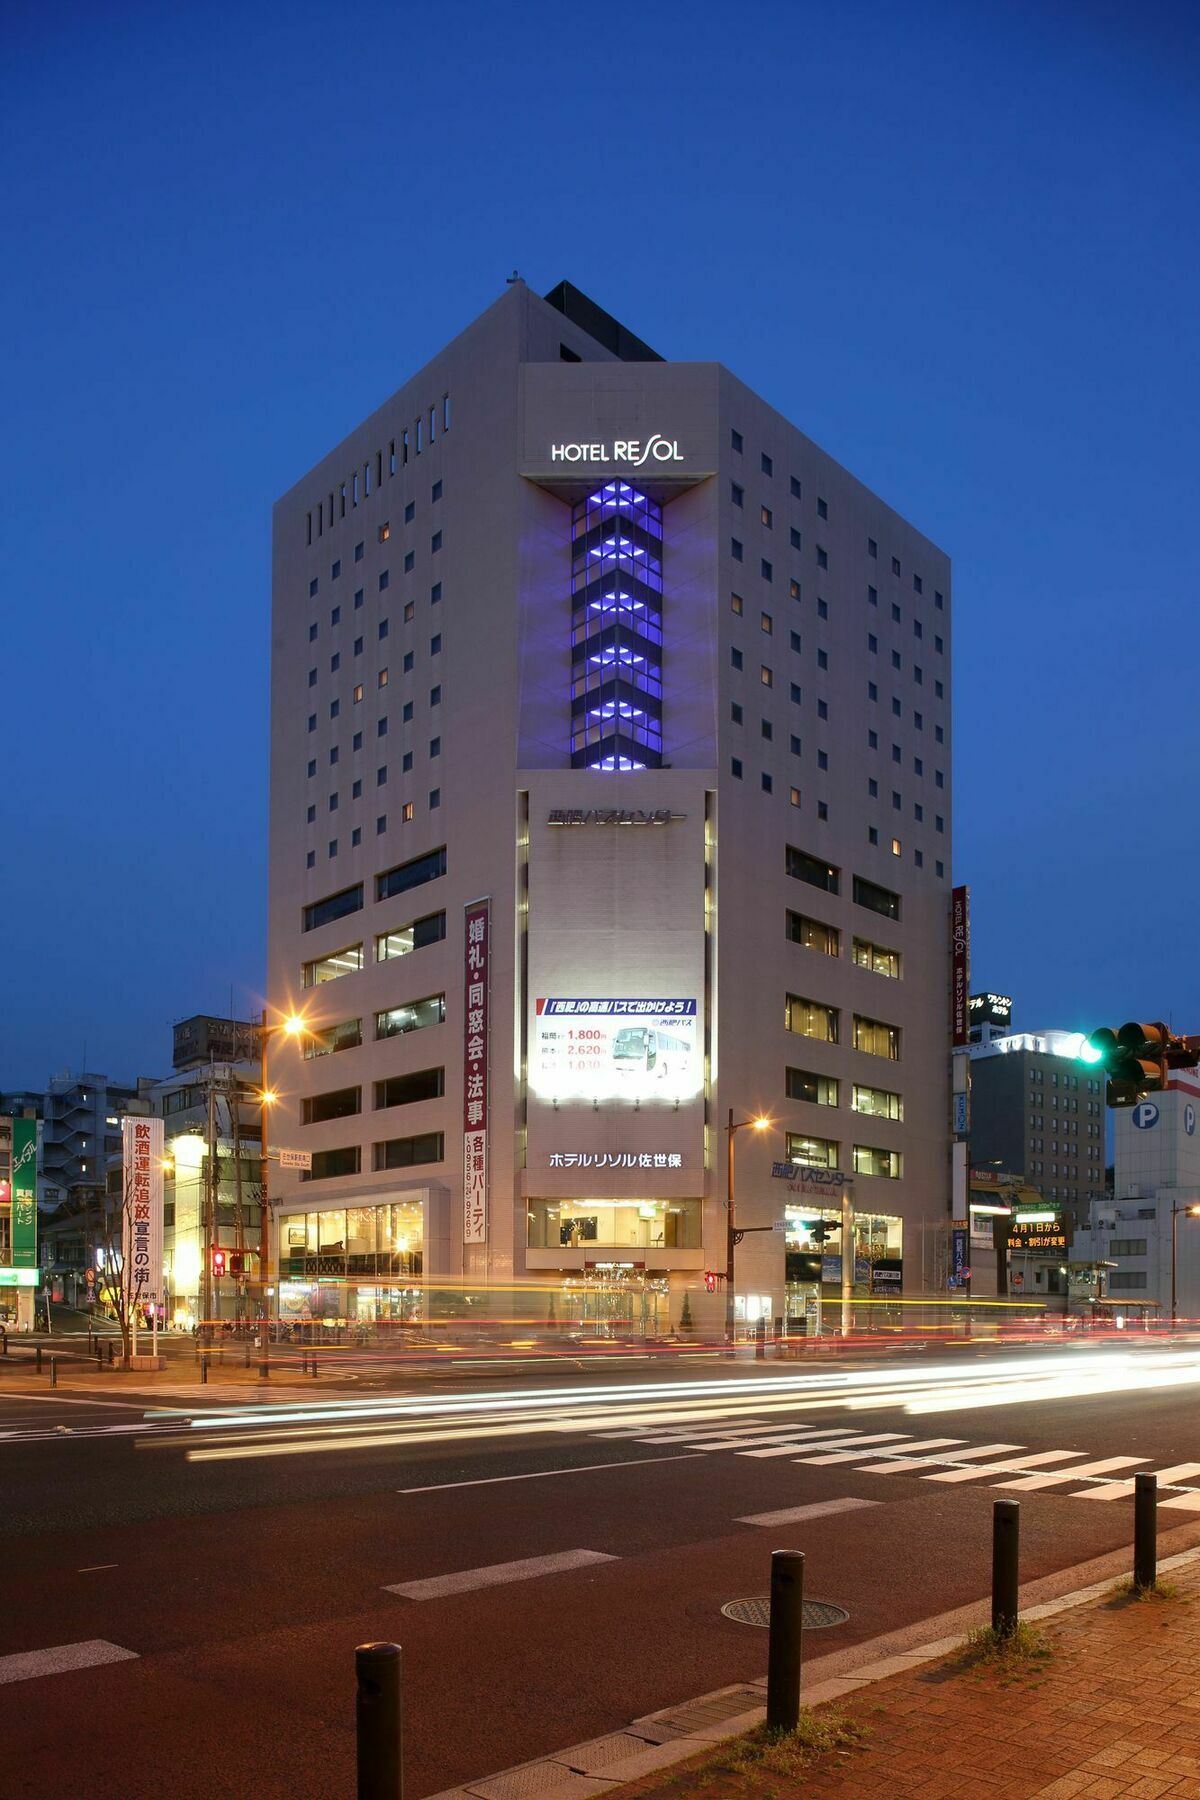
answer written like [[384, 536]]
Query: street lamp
[[1193, 1212], [292, 1025], [731, 1234]]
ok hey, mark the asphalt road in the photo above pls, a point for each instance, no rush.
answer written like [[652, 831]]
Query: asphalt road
[[241, 1553]]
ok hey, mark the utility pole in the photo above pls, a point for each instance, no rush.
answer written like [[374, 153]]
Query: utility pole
[[210, 1187]]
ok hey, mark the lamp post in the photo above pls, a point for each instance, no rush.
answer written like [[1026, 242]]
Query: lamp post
[[1193, 1212], [291, 1026], [732, 1235]]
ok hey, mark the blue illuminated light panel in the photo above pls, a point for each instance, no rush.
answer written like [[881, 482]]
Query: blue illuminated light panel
[[616, 630]]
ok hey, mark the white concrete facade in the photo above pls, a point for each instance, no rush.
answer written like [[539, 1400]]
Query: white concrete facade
[[1156, 1177], [422, 702]]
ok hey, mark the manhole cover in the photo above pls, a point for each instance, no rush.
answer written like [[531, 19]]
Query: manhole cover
[[817, 1613]]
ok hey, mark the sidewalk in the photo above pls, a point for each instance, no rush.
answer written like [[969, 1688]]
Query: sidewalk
[[1111, 1713]]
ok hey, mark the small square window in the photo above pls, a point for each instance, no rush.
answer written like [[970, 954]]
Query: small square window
[[312, 766], [335, 616], [358, 693], [735, 657], [794, 590], [335, 707], [406, 762], [822, 759], [312, 721], [310, 860], [356, 790], [822, 510], [766, 465], [872, 596], [335, 571], [765, 517], [895, 613], [381, 825], [333, 757], [384, 579], [895, 801], [767, 729], [435, 746], [382, 679], [736, 604], [381, 727], [872, 547], [735, 549], [381, 776], [435, 493], [409, 657], [356, 743], [356, 837], [735, 441], [435, 543], [895, 659], [795, 487], [737, 494], [895, 565], [872, 787], [408, 712], [896, 757], [918, 766], [822, 809], [765, 570], [335, 662], [918, 675], [735, 712], [435, 594], [918, 628], [872, 835], [312, 587], [766, 623], [435, 696], [383, 629], [822, 609], [917, 585], [939, 824], [822, 558], [939, 734], [312, 634], [918, 721], [767, 783], [797, 694], [872, 643], [735, 767], [941, 869], [385, 532], [312, 678], [333, 802], [920, 858], [409, 560], [918, 812], [766, 676], [311, 816], [358, 598], [333, 846], [796, 642], [939, 691], [872, 740], [822, 659], [435, 799], [435, 644], [939, 780], [822, 709], [897, 847], [897, 710], [410, 611], [795, 745], [872, 691], [358, 552], [410, 512], [406, 812], [794, 796], [794, 539]]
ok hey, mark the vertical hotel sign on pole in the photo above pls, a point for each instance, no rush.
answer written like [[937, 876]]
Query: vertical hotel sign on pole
[[142, 1236], [477, 995], [24, 1194], [960, 945]]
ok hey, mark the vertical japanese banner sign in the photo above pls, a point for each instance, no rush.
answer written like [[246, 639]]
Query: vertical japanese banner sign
[[477, 994], [960, 949], [142, 1237], [24, 1193]]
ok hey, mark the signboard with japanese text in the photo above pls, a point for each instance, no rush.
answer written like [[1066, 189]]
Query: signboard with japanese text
[[24, 1194], [1042, 1236], [295, 1159], [960, 1268], [960, 949], [803, 1178], [640, 1048], [142, 1213], [476, 996]]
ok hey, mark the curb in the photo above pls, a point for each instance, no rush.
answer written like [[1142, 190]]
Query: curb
[[657, 1740]]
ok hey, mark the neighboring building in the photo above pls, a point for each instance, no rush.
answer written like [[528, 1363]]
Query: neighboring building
[[19, 1138], [1156, 1178], [201, 1040], [1037, 1112], [81, 1126], [604, 642]]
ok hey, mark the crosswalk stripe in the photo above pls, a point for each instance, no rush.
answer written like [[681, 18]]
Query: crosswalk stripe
[[900, 1465], [434, 1587], [62, 1658], [816, 1509], [1179, 1472], [802, 1434], [1003, 1468], [1183, 1502], [1105, 1466]]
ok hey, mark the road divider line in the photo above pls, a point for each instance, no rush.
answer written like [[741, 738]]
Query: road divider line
[[27, 1665], [817, 1509], [436, 1587], [636, 1462]]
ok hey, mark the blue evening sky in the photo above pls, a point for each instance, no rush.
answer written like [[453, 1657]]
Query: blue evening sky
[[957, 244]]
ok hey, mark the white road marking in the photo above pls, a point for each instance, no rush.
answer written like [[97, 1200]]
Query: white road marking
[[1106, 1465], [92, 1568], [840, 1451], [902, 1464], [1183, 1502], [1002, 1468], [435, 1587], [791, 1515], [636, 1462], [1177, 1473], [61, 1659]]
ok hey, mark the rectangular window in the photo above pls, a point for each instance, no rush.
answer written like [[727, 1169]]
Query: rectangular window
[[406, 1090], [411, 874], [407, 938], [813, 869], [413, 1017], [812, 1152], [766, 676], [339, 1103], [876, 958], [817, 1090], [328, 1163], [346, 1035], [735, 658], [877, 899], [736, 603], [870, 1161], [336, 906], [876, 1038], [878, 1103], [813, 934], [822, 558], [1127, 1247], [328, 968], [1126, 1279], [811, 1019], [408, 1152]]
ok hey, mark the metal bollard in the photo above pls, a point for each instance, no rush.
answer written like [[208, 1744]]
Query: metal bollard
[[99, 1354], [379, 1722], [784, 1645], [111, 1353], [54, 1371], [312, 1364], [1145, 1531], [203, 1368], [760, 1341], [1006, 1536], [303, 1360], [38, 1348]]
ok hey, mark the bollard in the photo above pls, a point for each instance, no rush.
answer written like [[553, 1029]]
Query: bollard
[[39, 1358], [1006, 1534], [379, 1722], [203, 1367], [111, 1353], [303, 1360], [783, 1648], [99, 1354], [312, 1364], [760, 1341], [54, 1371], [1145, 1531]]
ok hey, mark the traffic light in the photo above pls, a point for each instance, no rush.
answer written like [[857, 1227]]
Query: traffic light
[[237, 1263], [218, 1262], [821, 1230], [710, 1281], [1138, 1058]]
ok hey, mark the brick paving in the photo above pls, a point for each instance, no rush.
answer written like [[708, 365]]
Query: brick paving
[[1112, 1714]]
